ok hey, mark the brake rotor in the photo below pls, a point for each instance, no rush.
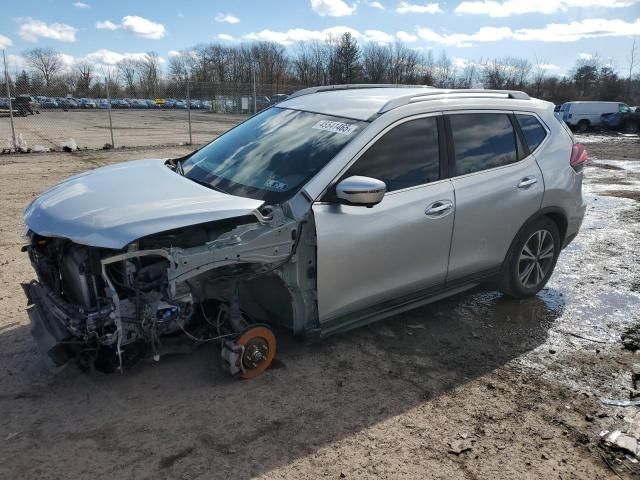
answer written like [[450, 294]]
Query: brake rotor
[[259, 344]]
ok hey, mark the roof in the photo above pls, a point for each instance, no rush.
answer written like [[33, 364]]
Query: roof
[[364, 102]]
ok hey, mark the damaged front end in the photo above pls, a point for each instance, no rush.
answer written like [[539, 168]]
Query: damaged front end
[[221, 281]]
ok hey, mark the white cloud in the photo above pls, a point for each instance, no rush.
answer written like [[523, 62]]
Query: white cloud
[[574, 31], [226, 37], [377, 5], [547, 66], [110, 58], [553, 32], [485, 34], [406, 37], [506, 8], [107, 25], [174, 53], [140, 26], [584, 56], [5, 42], [377, 36], [81, 5], [333, 8], [227, 18], [30, 30], [16, 62], [300, 35], [406, 7]]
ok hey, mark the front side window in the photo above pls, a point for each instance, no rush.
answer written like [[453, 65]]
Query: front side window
[[624, 108], [482, 141], [534, 132], [406, 156], [272, 155]]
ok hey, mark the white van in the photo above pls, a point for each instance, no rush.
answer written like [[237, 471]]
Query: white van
[[582, 115]]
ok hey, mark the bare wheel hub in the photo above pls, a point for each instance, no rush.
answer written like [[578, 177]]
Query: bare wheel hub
[[255, 353]]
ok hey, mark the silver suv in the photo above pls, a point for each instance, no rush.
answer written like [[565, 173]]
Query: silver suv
[[337, 207]]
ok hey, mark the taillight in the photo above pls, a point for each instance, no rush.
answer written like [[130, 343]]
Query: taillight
[[579, 157]]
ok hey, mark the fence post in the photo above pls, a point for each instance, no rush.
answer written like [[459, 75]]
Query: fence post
[[107, 79], [189, 112], [255, 109], [6, 81]]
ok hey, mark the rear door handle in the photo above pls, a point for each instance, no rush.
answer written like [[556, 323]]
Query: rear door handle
[[439, 208], [527, 182]]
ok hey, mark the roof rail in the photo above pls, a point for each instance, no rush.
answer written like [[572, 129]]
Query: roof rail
[[476, 92], [326, 88]]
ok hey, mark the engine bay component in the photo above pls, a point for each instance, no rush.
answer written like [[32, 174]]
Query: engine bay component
[[113, 307]]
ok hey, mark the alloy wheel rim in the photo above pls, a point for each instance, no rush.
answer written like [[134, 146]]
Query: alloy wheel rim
[[536, 259]]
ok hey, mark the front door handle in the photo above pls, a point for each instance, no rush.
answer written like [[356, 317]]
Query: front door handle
[[439, 208], [527, 182]]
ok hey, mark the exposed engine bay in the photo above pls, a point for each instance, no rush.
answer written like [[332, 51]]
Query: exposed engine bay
[[228, 282]]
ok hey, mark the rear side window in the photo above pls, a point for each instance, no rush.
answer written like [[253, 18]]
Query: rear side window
[[406, 156], [482, 141], [534, 132]]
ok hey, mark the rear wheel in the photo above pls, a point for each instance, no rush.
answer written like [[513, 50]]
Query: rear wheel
[[583, 126], [531, 259]]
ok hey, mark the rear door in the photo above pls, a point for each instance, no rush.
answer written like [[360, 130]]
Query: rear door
[[498, 186], [369, 256]]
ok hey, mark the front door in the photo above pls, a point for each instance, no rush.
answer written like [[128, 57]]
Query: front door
[[368, 256]]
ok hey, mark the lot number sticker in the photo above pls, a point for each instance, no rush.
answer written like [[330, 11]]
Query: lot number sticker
[[335, 127]]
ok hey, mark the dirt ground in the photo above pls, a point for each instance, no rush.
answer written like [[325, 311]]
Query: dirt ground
[[519, 382], [131, 128]]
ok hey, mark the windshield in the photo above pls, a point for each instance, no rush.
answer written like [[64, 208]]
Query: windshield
[[272, 155]]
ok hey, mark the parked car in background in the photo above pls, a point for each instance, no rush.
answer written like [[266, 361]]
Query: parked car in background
[[87, 103], [119, 103], [584, 115], [50, 103], [103, 103], [626, 120], [278, 97], [26, 105], [67, 103], [341, 206], [136, 103], [180, 104]]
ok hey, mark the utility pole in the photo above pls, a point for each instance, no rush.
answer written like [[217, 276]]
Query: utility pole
[[107, 80], [6, 81]]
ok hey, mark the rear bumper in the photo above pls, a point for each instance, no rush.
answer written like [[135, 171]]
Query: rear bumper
[[574, 223]]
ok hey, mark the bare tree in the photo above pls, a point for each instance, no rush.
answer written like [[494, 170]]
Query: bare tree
[[631, 59], [84, 76], [444, 72], [46, 61], [128, 69], [149, 74], [376, 62]]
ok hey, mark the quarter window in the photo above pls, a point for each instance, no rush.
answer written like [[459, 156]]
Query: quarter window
[[406, 156], [482, 141], [534, 132]]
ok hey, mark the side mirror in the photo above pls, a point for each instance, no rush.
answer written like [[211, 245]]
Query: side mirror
[[361, 191]]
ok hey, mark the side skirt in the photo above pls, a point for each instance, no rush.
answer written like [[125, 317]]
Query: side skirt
[[402, 304]]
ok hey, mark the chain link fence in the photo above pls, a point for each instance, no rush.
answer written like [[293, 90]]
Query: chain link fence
[[110, 116]]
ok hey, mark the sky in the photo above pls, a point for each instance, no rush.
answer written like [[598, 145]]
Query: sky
[[551, 32]]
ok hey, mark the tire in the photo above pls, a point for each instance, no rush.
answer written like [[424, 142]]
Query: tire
[[630, 127], [583, 126], [529, 266]]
